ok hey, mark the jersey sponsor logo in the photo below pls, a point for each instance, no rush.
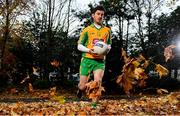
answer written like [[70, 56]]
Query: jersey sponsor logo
[[92, 33]]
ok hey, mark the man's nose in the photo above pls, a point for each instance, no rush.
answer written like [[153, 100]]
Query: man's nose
[[100, 16]]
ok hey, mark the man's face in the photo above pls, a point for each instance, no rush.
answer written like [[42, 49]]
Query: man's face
[[98, 17]]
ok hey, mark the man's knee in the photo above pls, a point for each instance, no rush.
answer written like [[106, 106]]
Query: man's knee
[[82, 83], [98, 77], [82, 86]]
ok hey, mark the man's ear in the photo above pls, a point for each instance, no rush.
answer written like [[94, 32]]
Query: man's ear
[[92, 15]]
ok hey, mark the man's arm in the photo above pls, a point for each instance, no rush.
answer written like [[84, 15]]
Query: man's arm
[[82, 48]]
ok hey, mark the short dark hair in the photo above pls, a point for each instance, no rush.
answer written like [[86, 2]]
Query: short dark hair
[[97, 8]]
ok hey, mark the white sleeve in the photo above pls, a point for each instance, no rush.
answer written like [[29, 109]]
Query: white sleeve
[[82, 48]]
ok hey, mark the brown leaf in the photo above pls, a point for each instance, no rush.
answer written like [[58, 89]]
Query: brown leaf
[[82, 113], [123, 54], [119, 79], [30, 88], [60, 99], [35, 69], [161, 70], [25, 79], [140, 74], [13, 91], [52, 91], [94, 90], [45, 96], [141, 57], [92, 96], [91, 85], [19, 104], [55, 63], [173, 98], [126, 82], [135, 63], [145, 64], [127, 85], [161, 91], [142, 83]]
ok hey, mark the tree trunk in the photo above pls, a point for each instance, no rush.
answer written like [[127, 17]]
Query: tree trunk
[[49, 38], [69, 8], [127, 35], [5, 36], [0, 58]]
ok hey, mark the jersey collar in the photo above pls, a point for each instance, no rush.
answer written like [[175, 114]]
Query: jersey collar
[[92, 25]]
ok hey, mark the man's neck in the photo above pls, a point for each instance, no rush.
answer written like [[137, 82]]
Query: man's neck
[[97, 25]]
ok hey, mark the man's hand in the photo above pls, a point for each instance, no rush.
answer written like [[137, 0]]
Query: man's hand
[[91, 51]]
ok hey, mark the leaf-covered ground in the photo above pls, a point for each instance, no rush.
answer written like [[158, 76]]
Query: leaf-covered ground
[[38, 103]]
